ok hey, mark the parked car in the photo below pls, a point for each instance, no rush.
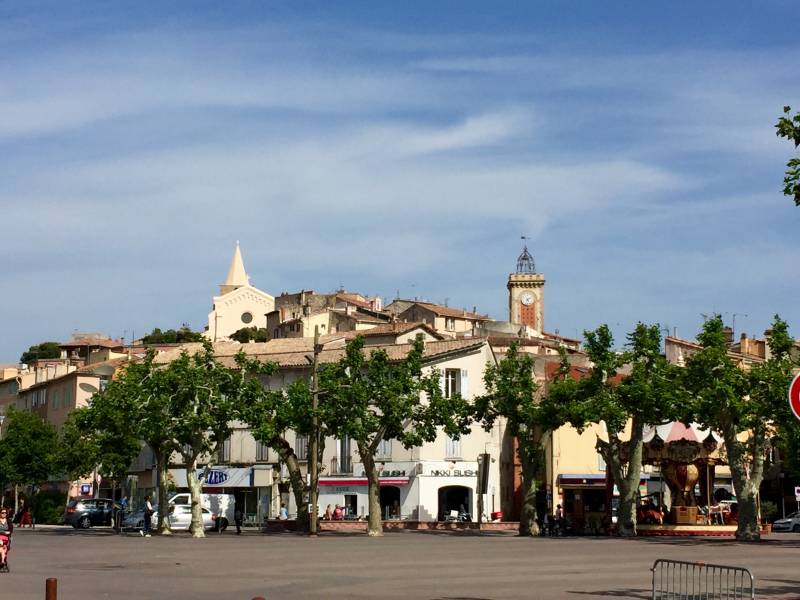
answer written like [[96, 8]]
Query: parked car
[[222, 506], [179, 516], [790, 523], [85, 513]]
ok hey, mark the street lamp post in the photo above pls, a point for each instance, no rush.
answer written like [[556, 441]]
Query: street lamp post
[[313, 464]]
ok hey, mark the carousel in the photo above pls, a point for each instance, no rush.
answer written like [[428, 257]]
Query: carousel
[[689, 502]]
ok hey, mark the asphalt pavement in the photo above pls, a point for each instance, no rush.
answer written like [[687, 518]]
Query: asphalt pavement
[[98, 563]]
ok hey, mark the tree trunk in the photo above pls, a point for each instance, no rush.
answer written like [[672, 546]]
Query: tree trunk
[[374, 521], [196, 488], [746, 482], [527, 518], [161, 467], [626, 476], [289, 458]]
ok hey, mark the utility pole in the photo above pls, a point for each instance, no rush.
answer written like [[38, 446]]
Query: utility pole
[[313, 459]]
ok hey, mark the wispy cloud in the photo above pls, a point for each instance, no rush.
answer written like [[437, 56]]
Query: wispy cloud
[[381, 161]]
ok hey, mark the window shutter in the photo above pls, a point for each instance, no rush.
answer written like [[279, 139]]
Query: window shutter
[[464, 384], [443, 381]]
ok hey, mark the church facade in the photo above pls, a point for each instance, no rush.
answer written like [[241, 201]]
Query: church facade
[[239, 304]]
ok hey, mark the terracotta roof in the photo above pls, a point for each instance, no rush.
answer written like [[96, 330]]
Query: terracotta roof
[[555, 336], [396, 328], [446, 311], [695, 346], [352, 299], [297, 352], [92, 341]]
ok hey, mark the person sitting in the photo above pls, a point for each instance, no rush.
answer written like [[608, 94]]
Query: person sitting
[[328, 516], [338, 513]]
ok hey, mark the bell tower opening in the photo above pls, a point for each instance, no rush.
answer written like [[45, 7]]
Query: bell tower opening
[[526, 292]]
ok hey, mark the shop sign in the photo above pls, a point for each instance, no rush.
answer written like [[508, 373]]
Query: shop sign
[[387, 473], [453, 473]]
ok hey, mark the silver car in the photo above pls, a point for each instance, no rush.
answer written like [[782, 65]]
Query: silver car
[[790, 523]]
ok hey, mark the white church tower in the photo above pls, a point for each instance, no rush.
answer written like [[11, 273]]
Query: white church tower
[[239, 304]]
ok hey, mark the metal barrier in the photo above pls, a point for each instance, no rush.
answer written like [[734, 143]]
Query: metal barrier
[[700, 581]]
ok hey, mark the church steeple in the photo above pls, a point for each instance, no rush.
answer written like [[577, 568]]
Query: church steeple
[[237, 276]]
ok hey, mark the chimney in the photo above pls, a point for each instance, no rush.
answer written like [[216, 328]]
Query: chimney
[[728, 333]]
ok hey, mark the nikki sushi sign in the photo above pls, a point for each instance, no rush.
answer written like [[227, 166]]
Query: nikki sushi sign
[[794, 395]]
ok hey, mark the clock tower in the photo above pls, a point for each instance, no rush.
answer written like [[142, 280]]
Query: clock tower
[[526, 293]]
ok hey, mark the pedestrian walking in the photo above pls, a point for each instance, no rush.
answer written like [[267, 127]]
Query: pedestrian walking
[[148, 515], [238, 518], [6, 529]]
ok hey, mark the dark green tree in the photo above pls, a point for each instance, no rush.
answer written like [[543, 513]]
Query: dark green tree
[[204, 398], [744, 406], [513, 394], [250, 334], [43, 350], [139, 397], [272, 413], [172, 336], [788, 127], [625, 391], [381, 399], [27, 450]]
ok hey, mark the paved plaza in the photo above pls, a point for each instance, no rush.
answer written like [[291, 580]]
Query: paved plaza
[[425, 566]]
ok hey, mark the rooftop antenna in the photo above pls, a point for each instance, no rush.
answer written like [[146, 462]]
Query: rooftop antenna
[[733, 325]]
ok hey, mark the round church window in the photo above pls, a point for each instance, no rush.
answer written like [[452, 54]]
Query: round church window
[[247, 317]]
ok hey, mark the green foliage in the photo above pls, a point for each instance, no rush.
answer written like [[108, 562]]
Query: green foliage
[[377, 399], [43, 350], [788, 127], [637, 386], [769, 511], [745, 404], [203, 399], [172, 336], [250, 334], [27, 450], [48, 507]]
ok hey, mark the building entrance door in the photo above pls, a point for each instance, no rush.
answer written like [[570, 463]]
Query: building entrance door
[[390, 502], [454, 503]]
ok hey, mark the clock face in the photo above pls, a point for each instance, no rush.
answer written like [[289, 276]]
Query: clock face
[[526, 298]]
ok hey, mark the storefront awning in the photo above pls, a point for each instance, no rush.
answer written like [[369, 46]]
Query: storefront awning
[[343, 481]]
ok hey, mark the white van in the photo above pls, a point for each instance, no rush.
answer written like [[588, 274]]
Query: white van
[[222, 506]]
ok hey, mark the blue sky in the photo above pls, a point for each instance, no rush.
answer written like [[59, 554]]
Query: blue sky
[[394, 148]]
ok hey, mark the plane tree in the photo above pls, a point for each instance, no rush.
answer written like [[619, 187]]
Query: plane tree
[[788, 127], [625, 392], [513, 395], [745, 405], [377, 398]]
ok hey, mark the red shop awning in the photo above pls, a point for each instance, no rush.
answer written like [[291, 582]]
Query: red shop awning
[[342, 481]]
